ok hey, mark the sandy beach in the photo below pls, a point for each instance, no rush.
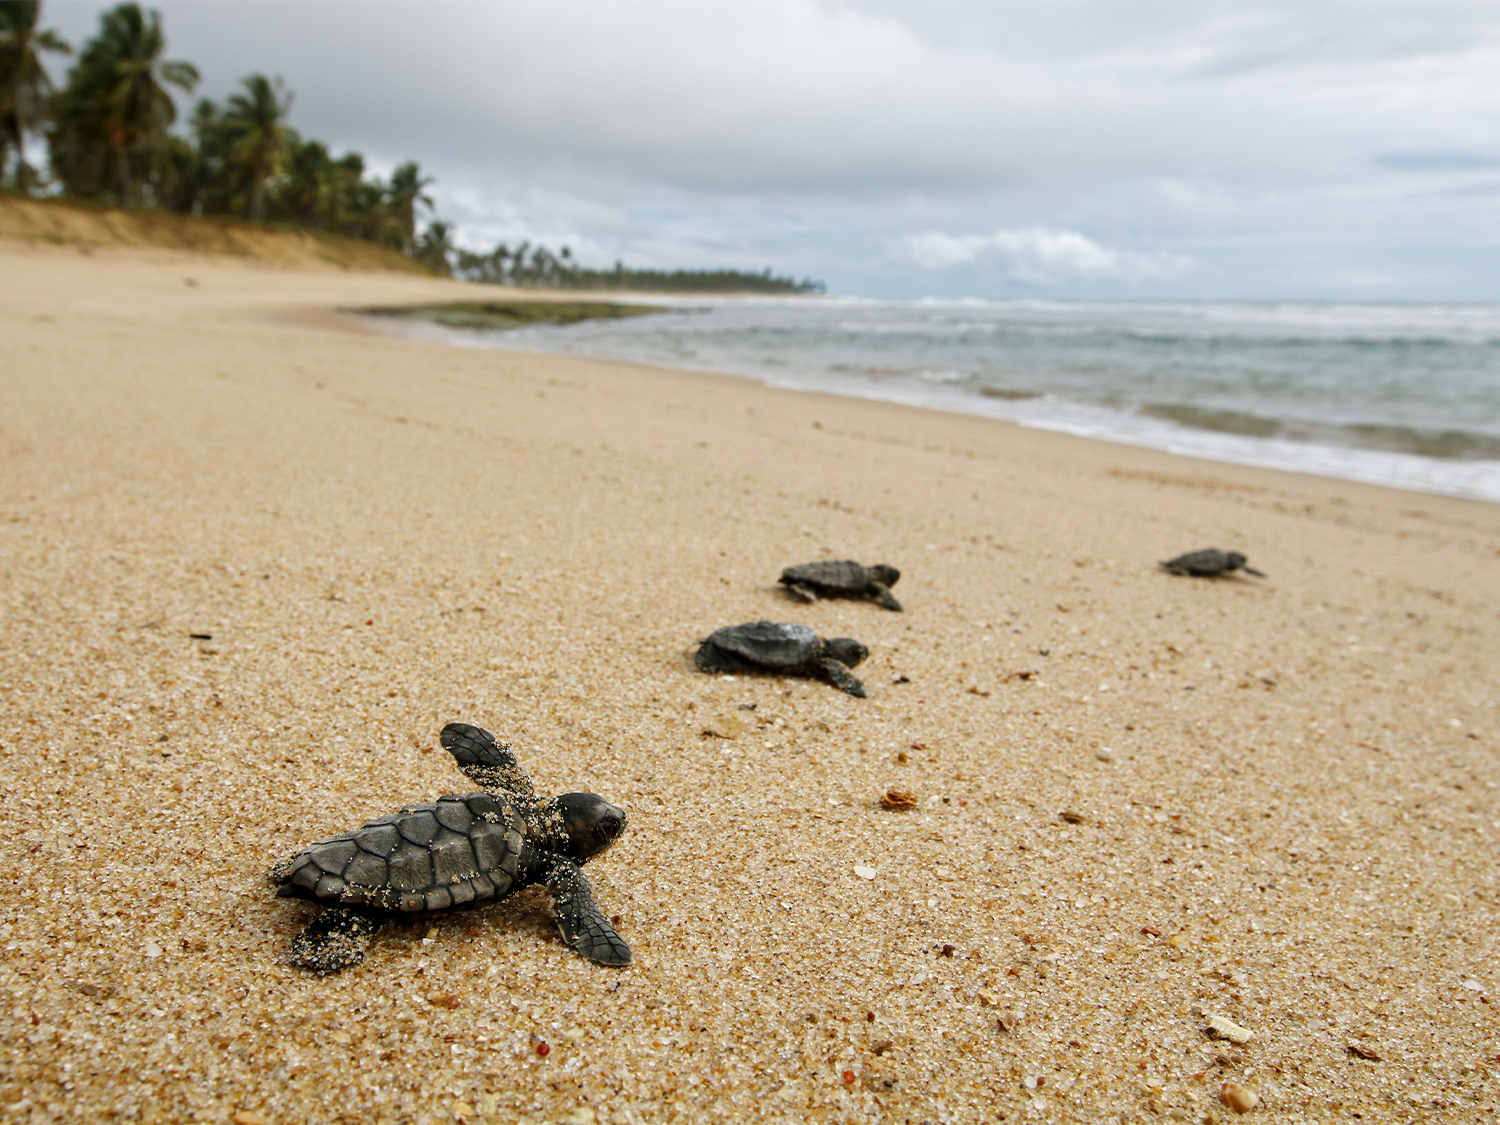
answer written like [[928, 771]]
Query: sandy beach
[[1144, 803]]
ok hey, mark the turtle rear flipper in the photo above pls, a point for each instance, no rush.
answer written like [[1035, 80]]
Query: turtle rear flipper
[[333, 941], [840, 677], [487, 763], [579, 919], [712, 658]]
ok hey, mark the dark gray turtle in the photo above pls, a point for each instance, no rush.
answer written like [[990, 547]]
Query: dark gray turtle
[[777, 647], [846, 579], [1209, 563], [457, 853]]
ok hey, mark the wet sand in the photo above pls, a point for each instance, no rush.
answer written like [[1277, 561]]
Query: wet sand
[[1143, 802]]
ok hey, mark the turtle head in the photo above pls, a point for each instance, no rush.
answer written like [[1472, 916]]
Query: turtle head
[[846, 650], [1233, 560], [885, 575], [590, 823]]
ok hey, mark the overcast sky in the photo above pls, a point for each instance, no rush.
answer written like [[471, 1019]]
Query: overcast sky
[[1071, 149]]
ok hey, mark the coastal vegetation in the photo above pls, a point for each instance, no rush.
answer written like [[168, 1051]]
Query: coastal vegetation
[[528, 265], [114, 136], [502, 315]]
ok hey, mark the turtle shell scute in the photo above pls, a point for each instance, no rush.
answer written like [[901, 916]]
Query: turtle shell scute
[[330, 886], [484, 807], [453, 814], [411, 867], [367, 870], [304, 873], [452, 858], [379, 837], [420, 826], [333, 855], [492, 844]]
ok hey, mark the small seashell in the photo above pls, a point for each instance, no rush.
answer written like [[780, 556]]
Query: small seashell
[[1237, 1098], [1222, 1027], [898, 799], [724, 726], [865, 872]]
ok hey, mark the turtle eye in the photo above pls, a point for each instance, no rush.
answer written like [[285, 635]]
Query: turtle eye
[[610, 825]]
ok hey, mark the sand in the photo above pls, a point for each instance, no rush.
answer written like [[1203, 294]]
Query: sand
[[1144, 802]]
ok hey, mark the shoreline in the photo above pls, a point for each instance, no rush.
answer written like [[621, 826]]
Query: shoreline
[[1143, 802], [1361, 466], [1431, 455]]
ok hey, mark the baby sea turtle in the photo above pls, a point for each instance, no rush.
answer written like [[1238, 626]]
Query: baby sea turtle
[[846, 579], [777, 647], [1209, 563], [457, 853]]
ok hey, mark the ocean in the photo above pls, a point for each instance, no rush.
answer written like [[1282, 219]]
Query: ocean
[[1406, 395]]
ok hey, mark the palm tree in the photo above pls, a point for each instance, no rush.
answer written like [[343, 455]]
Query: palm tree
[[24, 85], [115, 96], [435, 248], [256, 120], [406, 187]]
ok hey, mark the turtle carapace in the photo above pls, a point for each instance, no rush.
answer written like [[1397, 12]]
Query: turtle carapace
[[1209, 563], [846, 579], [774, 646]]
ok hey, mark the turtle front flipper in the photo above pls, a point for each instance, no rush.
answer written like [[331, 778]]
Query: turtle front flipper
[[840, 677], [580, 921], [1252, 570], [882, 594], [335, 940], [485, 762], [805, 592]]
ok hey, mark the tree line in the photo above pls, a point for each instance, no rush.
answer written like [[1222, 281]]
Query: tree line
[[113, 136], [536, 265]]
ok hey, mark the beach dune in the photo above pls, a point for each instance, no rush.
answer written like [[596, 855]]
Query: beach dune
[[256, 555]]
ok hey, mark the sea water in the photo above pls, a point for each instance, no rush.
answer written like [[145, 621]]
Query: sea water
[[1401, 395]]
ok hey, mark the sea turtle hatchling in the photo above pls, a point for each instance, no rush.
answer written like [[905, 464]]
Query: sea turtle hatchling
[[457, 852], [846, 579], [1209, 563], [774, 646]]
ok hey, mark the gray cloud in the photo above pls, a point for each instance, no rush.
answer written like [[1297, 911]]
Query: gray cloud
[[1283, 149]]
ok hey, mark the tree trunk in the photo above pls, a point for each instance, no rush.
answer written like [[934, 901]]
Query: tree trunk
[[122, 169]]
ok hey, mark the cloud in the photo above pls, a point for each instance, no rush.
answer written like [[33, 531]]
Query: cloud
[[1250, 149], [1041, 256]]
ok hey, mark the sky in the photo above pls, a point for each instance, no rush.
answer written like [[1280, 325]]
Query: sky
[[1296, 150]]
